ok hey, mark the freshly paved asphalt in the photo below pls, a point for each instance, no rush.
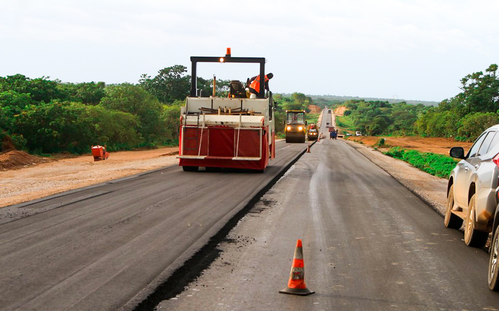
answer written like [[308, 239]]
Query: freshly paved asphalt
[[109, 246], [368, 242]]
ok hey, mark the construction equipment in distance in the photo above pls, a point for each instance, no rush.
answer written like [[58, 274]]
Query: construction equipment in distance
[[227, 132], [99, 153], [312, 132], [295, 126]]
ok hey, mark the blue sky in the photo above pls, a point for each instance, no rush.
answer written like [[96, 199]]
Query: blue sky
[[416, 50]]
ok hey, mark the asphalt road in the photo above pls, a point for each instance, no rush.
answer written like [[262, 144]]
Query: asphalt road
[[369, 244], [108, 246]]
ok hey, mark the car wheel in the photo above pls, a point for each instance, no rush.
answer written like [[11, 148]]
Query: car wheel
[[473, 237], [190, 168], [493, 262], [450, 220]]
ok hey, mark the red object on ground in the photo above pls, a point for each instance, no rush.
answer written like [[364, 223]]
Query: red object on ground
[[99, 153], [296, 283]]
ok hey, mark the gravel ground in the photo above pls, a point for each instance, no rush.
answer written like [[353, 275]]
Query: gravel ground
[[38, 180]]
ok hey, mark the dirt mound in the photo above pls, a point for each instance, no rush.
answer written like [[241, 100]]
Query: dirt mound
[[314, 109], [425, 144], [340, 111], [7, 144], [15, 159]]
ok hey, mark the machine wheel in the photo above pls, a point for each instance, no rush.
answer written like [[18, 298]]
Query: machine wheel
[[493, 262], [450, 220], [473, 237], [190, 168]]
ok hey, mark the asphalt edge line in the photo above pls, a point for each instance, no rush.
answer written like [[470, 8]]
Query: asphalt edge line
[[192, 268]]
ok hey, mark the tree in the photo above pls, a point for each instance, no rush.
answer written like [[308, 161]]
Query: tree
[[40, 89], [481, 91], [169, 85], [170, 117], [87, 93], [55, 127], [115, 129], [135, 100], [11, 105], [473, 124]]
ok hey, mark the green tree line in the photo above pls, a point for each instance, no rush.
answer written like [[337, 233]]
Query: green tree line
[[462, 117], [381, 117], [46, 116]]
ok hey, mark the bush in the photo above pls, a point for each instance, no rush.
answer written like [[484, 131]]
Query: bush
[[434, 164], [381, 143]]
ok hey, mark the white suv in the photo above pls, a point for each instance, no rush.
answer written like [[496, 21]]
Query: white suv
[[471, 189]]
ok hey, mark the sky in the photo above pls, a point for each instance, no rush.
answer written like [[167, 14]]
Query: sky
[[413, 50]]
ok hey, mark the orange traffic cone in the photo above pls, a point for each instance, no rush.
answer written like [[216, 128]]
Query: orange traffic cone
[[296, 283], [308, 148]]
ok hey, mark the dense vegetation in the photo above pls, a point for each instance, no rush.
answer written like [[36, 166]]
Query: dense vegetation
[[47, 116], [434, 164], [381, 118], [462, 117]]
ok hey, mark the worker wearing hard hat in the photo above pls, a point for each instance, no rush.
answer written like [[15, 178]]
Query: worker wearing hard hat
[[254, 84]]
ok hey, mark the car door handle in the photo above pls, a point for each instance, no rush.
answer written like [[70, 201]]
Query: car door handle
[[477, 166]]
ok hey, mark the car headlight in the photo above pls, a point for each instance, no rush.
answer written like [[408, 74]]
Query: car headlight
[[288, 128], [300, 128]]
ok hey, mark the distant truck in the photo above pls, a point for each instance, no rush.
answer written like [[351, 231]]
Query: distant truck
[[227, 132], [312, 132], [295, 128]]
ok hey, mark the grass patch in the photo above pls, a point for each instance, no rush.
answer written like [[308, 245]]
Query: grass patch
[[346, 123], [312, 118], [434, 164]]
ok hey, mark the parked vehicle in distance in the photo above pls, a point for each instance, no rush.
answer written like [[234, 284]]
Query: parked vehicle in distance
[[358, 133], [471, 190], [493, 271]]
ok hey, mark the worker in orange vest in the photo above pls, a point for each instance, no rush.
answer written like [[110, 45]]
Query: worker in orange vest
[[254, 84]]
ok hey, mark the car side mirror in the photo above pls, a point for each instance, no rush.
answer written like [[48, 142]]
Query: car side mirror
[[457, 152]]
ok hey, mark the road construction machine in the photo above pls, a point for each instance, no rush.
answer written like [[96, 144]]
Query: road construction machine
[[227, 132], [312, 131], [296, 126]]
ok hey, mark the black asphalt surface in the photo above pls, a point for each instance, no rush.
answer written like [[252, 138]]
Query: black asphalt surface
[[368, 242], [109, 246]]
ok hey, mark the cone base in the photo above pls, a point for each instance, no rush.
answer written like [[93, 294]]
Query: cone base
[[296, 291]]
